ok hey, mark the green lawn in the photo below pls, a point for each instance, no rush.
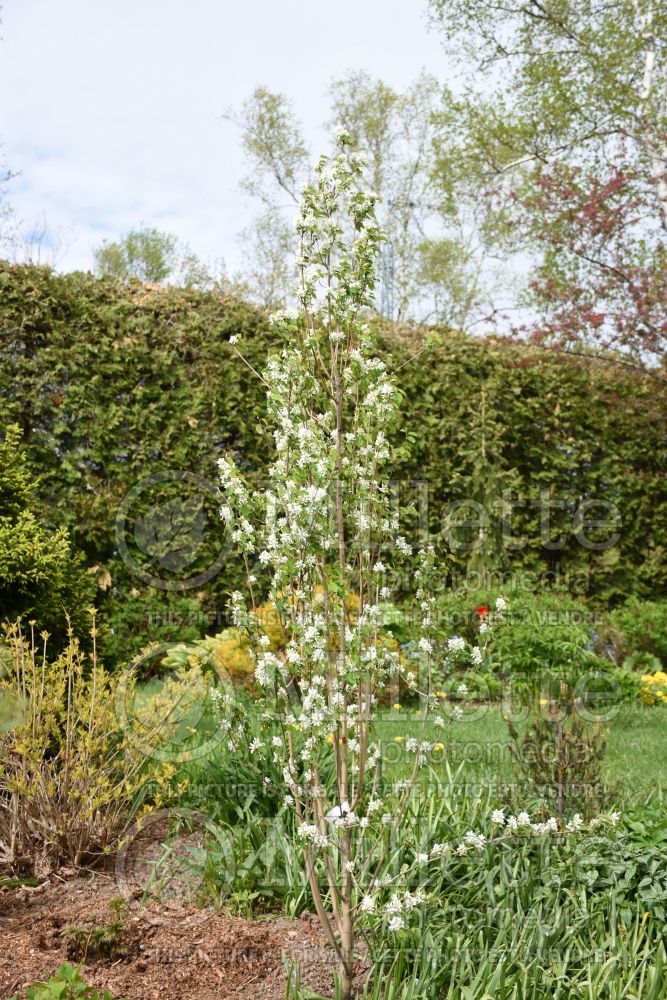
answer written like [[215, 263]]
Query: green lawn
[[636, 755]]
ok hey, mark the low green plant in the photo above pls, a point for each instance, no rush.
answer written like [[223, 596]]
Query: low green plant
[[65, 984], [540, 634], [18, 883], [628, 683], [637, 627], [99, 940], [564, 916]]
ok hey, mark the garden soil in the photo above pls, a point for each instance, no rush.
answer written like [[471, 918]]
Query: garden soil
[[166, 951]]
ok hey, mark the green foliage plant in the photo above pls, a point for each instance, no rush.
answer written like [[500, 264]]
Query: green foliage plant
[[639, 627], [99, 940], [65, 984]]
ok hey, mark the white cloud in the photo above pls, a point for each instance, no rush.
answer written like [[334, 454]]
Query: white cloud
[[111, 111]]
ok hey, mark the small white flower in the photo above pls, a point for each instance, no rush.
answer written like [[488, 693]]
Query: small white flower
[[501, 604], [523, 819], [338, 812], [439, 849], [456, 643], [394, 905], [396, 923], [575, 823], [233, 339], [310, 832], [476, 655], [410, 900], [477, 840], [498, 816], [367, 905]]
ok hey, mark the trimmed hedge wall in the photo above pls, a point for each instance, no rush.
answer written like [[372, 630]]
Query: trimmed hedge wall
[[112, 383]]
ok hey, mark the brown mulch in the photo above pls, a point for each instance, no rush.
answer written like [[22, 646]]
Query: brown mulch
[[167, 950]]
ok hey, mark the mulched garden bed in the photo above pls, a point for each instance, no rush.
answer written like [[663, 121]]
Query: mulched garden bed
[[166, 950]]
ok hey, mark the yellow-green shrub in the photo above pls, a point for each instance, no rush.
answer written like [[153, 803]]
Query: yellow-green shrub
[[69, 768]]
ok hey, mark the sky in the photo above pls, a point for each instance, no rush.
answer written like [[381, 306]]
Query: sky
[[110, 112]]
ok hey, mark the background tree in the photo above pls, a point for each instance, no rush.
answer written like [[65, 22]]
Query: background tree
[[427, 267], [5, 209], [577, 114], [602, 277], [269, 251], [154, 257]]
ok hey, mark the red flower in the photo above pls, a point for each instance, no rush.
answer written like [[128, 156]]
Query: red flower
[[482, 610]]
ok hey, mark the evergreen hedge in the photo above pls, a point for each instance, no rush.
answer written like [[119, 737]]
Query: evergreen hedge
[[111, 383]]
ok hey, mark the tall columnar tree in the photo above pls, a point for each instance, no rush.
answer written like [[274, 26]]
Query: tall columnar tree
[[322, 527], [326, 529]]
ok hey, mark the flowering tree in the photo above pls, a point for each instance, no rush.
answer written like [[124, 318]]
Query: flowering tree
[[326, 523], [325, 527]]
